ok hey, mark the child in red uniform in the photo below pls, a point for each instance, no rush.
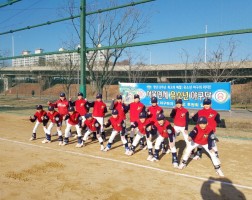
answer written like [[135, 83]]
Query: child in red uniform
[[213, 118], [55, 118], [81, 105], [180, 116], [153, 111], [144, 126], [99, 110], [121, 108], [118, 128], [203, 135], [62, 104], [91, 125], [165, 130], [73, 119], [134, 108], [39, 117]]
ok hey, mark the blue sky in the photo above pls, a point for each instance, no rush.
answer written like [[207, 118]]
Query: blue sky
[[169, 18]]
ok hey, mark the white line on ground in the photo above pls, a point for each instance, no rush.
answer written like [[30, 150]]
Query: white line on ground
[[128, 163]]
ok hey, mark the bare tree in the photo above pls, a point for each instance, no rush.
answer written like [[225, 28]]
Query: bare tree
[[136, 71], [111, 28], [192, 70], [221, 64]]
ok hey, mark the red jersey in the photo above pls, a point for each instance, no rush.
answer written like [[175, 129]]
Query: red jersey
[[154, 111], [74, 119], [180, 116], [142, 126], [62, 106], [201, 136], [39, 115], [92, 125], [135, 109], [80, 106], [211, 115], [54, 117], [164, 130], [116, 123], [119, 107], [99, 109]]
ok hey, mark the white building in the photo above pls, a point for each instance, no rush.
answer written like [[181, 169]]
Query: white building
[[29, 61]]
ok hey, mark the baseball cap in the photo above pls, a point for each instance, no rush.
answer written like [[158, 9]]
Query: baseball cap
[[136, 96], [119, 96], [114, 112], [207, 101], [99, 96], [178, 101], [80, 94], [39, 107], [71, 109], [202, 120], [142, 115], [88, 115], [153, 99], [160, 116], [50, 108], [62, 94]]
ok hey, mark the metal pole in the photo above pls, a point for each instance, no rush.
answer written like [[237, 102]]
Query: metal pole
[[206, 46], [83, 48]]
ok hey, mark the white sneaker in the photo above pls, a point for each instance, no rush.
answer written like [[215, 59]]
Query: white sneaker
[[196, 157], [64, 144], [219, 172], [46, 141], [60, 143], [79, 145], [175, 165], [32, 138], [127, 152], [150, 157], [181, 166], [102, 148], [154, 159], [130, 153]]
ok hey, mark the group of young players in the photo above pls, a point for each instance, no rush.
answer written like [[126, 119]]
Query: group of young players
[[148, 124]]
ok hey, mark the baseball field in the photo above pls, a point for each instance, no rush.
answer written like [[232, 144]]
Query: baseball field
[[32, 170]]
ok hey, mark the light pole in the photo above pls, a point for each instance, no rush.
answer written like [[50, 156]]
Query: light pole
[[206, 45]]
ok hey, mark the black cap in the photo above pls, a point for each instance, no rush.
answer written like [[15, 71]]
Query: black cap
[[153, 99], [88, 115], [178, 101], [119, 96], [202, 120], [142, 115], [39, 107], [160, 116], [71, 109], [136, 96], [80, 94], [50, 108], [99, 96], [114, 112], [62, 94], [207, 101]]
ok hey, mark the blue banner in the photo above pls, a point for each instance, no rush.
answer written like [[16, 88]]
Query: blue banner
[[192, 94]]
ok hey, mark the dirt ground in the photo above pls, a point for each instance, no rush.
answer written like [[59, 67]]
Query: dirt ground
[[32, 170]]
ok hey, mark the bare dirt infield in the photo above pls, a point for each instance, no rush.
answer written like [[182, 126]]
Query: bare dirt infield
[[32, 170]]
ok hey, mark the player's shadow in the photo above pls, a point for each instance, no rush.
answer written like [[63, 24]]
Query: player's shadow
[[180, 145], [226, 191]]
